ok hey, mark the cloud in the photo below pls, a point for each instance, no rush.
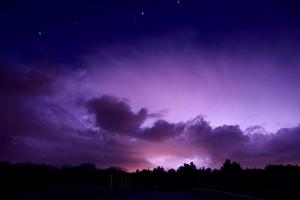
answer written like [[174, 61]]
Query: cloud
[[115, 115], [253, 147], [161, 130], [41, 123], [280, 147], [25, 82], [19, 90], [218, 143]]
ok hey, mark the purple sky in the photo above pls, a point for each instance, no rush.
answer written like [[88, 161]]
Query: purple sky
[[243, 83], [163, 102], [141, 83]]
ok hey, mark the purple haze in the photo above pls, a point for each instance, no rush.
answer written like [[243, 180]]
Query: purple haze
[[161, 102]]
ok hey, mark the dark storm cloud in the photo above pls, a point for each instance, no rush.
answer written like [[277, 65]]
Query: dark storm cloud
[[115, 115], [219, 143], [255, 150], [161, 130], [280, 147]]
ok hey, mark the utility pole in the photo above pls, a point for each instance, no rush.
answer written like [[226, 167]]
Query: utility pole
[[111, 182]]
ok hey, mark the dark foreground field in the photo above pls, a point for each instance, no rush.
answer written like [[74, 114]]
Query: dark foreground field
[[158, 195], [95, 194], [31, 181]]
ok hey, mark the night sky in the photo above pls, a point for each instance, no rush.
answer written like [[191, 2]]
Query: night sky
[[143, 83]]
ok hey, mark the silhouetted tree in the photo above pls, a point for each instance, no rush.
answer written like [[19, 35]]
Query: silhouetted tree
[[279, 179]]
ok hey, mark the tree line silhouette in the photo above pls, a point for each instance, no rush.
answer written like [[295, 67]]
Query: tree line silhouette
[[273, 180]]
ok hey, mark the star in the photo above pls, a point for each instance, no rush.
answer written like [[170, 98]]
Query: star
[[178, 1], [40, 33], [142, 13]]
